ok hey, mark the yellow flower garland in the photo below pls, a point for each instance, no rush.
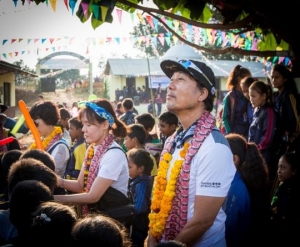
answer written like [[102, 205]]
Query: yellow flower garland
[[88, 163], [47, 140], [164, 192]]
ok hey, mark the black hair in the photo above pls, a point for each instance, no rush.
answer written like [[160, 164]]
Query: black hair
[[146, 119], [99, 230], [47, 111], [127, 104], [138, 131], [40, 155], [76, 122], [29, 169], [141, 158], [169, 118]]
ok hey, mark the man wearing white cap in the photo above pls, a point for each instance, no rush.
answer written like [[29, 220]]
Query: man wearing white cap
[[196, 166]]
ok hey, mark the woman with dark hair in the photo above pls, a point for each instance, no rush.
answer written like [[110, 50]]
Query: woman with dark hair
[[235, 104], [253, 170], [103, 179], [45, 115], [287, 108]]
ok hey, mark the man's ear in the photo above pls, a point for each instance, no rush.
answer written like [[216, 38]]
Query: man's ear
[[203, 94]]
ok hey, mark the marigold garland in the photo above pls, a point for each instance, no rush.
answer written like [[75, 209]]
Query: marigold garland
[[56, 131], [164, 192], [88, 163]]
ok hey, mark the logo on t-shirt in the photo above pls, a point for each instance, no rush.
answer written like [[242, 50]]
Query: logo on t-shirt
[[210, 184]]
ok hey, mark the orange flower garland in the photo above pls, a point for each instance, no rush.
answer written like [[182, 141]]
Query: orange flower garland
[[164, 192], [47, 140], [88, 163]]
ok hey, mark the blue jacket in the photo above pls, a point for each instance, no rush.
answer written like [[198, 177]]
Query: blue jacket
[[262, 130], [238, 211], [140, 188]]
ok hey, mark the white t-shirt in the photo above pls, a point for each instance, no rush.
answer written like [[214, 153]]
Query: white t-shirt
[[61, 155], [114, 166], [212, 171]]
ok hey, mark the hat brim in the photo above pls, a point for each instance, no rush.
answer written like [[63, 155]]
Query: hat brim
[[171, 66]]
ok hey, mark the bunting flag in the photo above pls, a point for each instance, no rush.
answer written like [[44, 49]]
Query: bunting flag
[[150, 21], [53, 5], [72, 4], [95, 10], [85, 8], [66, 4], [13, 41], [4, 41], [104, 10], [119, 14]]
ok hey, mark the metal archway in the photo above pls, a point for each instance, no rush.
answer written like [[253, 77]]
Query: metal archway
[[67, 53]]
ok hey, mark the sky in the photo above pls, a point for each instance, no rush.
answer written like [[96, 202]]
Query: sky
[[29, 24]]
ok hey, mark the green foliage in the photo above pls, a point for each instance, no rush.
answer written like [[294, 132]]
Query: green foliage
[[105, 93]]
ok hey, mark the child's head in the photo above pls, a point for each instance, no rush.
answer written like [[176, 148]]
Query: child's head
[[236, 75], [260, 93], [24, 198], [288, 166], [65, 115], [7, 160], [245, 84], [168, 122], [53, 222], [40, 155], [135, 137], [140, 162], [127, 104], [147, 120], [31, 169], [99, 230], [75, 129]]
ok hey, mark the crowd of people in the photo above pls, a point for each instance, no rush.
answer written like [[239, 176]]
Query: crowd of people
[[103, 178]]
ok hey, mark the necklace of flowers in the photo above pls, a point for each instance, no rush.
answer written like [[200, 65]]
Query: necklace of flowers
[[164, 192], [87, 165], [50, 139]]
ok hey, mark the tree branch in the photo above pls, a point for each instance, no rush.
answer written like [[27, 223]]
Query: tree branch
[[226, 50], [239, 24]]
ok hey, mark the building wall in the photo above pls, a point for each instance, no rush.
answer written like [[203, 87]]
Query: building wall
[[8, 78]]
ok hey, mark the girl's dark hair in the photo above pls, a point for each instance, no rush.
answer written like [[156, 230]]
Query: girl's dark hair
[[248, 80], [52, 221], [46, 110], [263, 88], [141, 157], [292, 159], [76, 122], [290, 83], [119, 129], [251, 164], [236, 74], [99, 230]]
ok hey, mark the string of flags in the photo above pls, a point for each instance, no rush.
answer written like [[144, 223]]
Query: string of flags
[[200, 36]]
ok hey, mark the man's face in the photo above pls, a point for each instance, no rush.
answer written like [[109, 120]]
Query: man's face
[[183, 93]]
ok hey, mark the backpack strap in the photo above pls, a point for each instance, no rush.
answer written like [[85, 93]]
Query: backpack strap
[[63, 141]]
